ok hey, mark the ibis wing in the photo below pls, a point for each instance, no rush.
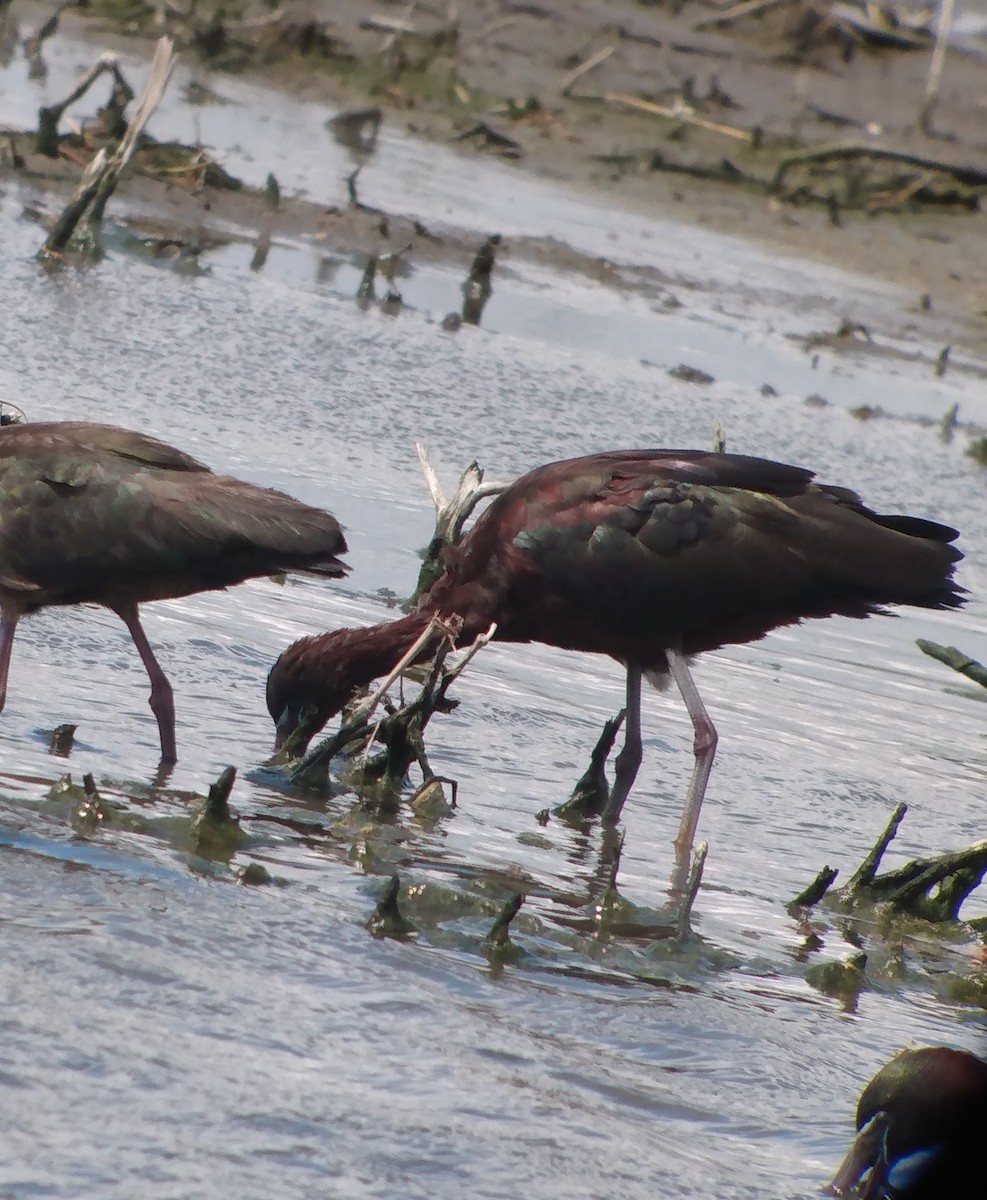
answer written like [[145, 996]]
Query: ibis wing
[[627, 553], [68, 445], [122, 517], [663, 558]]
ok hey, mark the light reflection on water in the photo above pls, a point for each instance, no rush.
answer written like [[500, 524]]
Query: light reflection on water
[[166, 1026]]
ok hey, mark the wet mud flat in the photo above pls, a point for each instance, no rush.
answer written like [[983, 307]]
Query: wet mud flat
[[183, 200], [795, 126], [802, 125]]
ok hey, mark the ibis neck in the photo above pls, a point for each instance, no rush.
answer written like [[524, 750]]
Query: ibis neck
[[363, 655]]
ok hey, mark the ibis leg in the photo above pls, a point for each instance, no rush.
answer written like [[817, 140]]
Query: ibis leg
[[629, 758], [162, 699], [8, 626], [703, 747]]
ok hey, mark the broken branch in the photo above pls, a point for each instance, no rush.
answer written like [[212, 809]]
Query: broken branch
[[577, 72], [675, 113]]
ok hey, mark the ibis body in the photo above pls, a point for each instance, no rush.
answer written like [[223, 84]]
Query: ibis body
[[651, 557], [95, 514]]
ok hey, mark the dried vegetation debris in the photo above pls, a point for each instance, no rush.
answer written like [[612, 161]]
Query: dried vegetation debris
[[653, 100], [97, 153], [746, 94]]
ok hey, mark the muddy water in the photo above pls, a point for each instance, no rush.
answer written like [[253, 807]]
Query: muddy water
[[170, 1033]]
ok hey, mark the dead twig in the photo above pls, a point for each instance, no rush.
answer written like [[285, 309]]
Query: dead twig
[[104, 172], [363, 710], [936, 64], [402, 731], [865, 873], [951, 876], [259, 22], [313, 765], [76, 208], [354, 195], [498, 25], [33, 41], [592, 791], [932, 888], [499, 936], [394, 27], [478, 288], [451, 515], [489, 138], [49, 116], [387, 919], [583, 68], [968, 176], [947, 427], [357, 129], [881, 24], [749, 8], [673, 113], [162, 66]]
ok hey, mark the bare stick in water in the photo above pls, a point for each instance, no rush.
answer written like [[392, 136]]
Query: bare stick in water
[[943, 29], [104, 171]]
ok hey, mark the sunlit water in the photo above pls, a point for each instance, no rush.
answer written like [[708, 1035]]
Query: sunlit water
[[168, 1033]]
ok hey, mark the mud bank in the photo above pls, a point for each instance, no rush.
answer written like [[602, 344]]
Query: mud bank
[[685, 112]]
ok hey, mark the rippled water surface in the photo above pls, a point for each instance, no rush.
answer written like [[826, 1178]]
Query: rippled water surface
[[168, 1032]]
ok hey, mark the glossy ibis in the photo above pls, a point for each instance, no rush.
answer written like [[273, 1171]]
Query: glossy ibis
[[920, 1125], [650, 556], [93, 514]]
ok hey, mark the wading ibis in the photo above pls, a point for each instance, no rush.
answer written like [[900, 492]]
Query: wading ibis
[[921, 1125], [651, 557], [93, 514]]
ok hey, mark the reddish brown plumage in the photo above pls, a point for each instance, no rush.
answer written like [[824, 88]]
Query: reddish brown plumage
[[629, 552], [97, 514], [645, 556]]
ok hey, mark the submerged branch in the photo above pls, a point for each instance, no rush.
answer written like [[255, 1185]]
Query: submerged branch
[[956, 659], [865, 873], [818, 888], [691, 891], [387, 920], [932, 888], [589, 796]]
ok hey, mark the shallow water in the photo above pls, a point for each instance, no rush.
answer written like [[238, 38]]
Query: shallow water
[[170, 1032]]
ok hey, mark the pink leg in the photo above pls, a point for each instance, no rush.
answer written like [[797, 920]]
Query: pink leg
[[162, 699], [8, 626], [703, 747]]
